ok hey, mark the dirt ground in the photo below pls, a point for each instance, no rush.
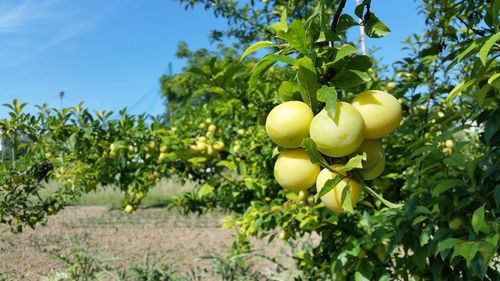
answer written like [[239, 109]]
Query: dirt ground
[[123, 240]]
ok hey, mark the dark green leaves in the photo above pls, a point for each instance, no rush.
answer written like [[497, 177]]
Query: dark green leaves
[[307, 79], [344, 51], [328, 95], [297, 37], [375, 28], [330, 184], [350, 78], [289, 91], [316, 157], [345, 22], [355, 162], [478, 223]]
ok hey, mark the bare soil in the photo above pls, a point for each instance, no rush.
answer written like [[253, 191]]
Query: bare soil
[[123, 240]]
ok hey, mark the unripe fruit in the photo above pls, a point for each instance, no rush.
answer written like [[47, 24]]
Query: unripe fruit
[[455, 223], [288, 123], [152, 145], [381, 112], [241, 132], [162, 157], [294, 171], [112, 147], [333, 199], [303, 195], [391, 85], [129, 209], [375, 159], [202, 125], [311, 201], [131, 149], [284, 235], [339, 137], [163, 148], [208, 120]]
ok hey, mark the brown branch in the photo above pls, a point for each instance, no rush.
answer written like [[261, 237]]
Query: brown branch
[[336, 17]]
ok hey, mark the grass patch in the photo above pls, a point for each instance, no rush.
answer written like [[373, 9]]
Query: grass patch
[[112, 196]]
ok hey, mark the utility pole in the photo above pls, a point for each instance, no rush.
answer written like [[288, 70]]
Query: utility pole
[[362, 33]]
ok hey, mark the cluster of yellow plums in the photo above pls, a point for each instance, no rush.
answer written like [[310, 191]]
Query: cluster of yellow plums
[[208, 145], [354, 129]]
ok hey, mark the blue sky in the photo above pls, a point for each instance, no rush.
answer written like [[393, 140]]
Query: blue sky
[[110, 54]]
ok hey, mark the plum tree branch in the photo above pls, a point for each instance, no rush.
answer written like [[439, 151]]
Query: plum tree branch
[[336, 17]]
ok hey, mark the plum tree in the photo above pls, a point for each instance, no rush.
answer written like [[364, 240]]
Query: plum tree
[[294, 171], [340, 136], [381, 112], [288, 123]]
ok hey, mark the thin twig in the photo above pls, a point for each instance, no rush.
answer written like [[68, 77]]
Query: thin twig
[[336, 17]]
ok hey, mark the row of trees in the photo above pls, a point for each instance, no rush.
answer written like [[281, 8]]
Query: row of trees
[[442, 167]]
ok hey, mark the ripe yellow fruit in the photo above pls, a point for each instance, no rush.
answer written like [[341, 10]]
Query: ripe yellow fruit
[[294, 171], [449, 144], [381, 112], [201, 145], [288, 123], [339, 137], [218, 145], [333, 198], [375, 159], [212, 128]]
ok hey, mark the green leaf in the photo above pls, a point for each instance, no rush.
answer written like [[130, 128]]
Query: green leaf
[[289, 91], [447, 244], [284, 59], [365, 271], [375, 28], [387, 203], [360, 63], [467, 250], [355, 162], [297, 37], [345, 199], [196, 160], [491, 128], [478, 223], [345, 22], [463, 54], [344, 51], [228, 164], [458, 89], [316, 157], [260, 67], [330, 184], [359, 10], [485, 49], [350, 78], [256, 46], [494, 80], [205, 190], [308, 82], [328, 95], [444, 185]]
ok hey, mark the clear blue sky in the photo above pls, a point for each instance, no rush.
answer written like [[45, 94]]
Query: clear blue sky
[[110, 54]]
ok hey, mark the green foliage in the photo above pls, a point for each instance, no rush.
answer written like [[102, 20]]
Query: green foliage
[[432, 215]]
